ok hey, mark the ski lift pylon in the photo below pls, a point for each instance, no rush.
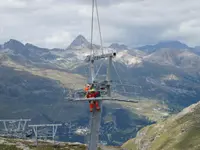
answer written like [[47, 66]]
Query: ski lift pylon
[[96, 115]]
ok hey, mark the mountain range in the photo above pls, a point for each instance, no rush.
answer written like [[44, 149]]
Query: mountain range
[[172, 53], [35, 81]]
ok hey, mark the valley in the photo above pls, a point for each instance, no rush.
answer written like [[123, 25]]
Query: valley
[[36, 81]]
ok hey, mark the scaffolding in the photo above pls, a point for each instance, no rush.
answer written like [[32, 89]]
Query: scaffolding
[[38, 132], [15, 127]]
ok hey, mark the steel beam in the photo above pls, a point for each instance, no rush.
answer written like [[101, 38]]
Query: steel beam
[[45, 125], [103, 99], [90, 58], [95, 122], [54, 130], [14, 120]]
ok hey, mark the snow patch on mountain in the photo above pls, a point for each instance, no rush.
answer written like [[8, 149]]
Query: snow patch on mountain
[[170, 77], [128, 59], [178, 58], [118, 47], [80, 48]]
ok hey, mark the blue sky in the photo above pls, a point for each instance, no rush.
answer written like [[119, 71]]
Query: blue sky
[[55, 23]]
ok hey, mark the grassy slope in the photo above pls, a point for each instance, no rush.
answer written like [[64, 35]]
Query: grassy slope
[[180, 132], [31, 92], [25, 95], [150, 108], [19, 144], [65, 78]]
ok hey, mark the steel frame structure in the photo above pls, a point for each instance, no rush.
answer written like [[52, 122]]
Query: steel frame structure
[[95, 118], [15, 127], [36, 129]]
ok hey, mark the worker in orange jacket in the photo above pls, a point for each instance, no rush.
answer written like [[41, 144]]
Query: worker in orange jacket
[[92, 93]]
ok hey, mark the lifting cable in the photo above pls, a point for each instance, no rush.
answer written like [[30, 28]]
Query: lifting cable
[[95, 5], [118, 76], [92, 28], [98, 69], [97, 12]]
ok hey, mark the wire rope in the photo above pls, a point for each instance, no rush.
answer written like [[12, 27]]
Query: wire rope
[[98, 69], [98, 20], [92, 28], [118, 76]]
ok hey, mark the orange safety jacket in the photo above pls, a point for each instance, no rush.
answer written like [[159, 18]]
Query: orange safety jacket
[[86, 88]]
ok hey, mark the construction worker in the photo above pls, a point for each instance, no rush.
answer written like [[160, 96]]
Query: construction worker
[[92, 93], [86, 89]]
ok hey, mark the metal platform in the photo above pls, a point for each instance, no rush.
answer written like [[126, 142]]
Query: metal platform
[[103, 99]]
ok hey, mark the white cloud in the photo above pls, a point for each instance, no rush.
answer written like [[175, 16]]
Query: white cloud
[[54, 23], [60, 38]]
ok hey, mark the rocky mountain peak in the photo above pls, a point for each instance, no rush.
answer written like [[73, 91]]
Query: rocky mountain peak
[[117, 46], [196, 50], [163, 44], [81, 38], [79, 42], [197, 47], [13, 44], [172, 44], [35, 48], [30, 45], [174, 57], [16, 46]]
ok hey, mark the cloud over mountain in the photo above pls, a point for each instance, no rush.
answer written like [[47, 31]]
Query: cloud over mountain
[[52, 23]]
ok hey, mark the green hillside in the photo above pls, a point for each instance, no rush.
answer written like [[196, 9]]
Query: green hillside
[[179, 132], [21, 144], [17, 144]]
